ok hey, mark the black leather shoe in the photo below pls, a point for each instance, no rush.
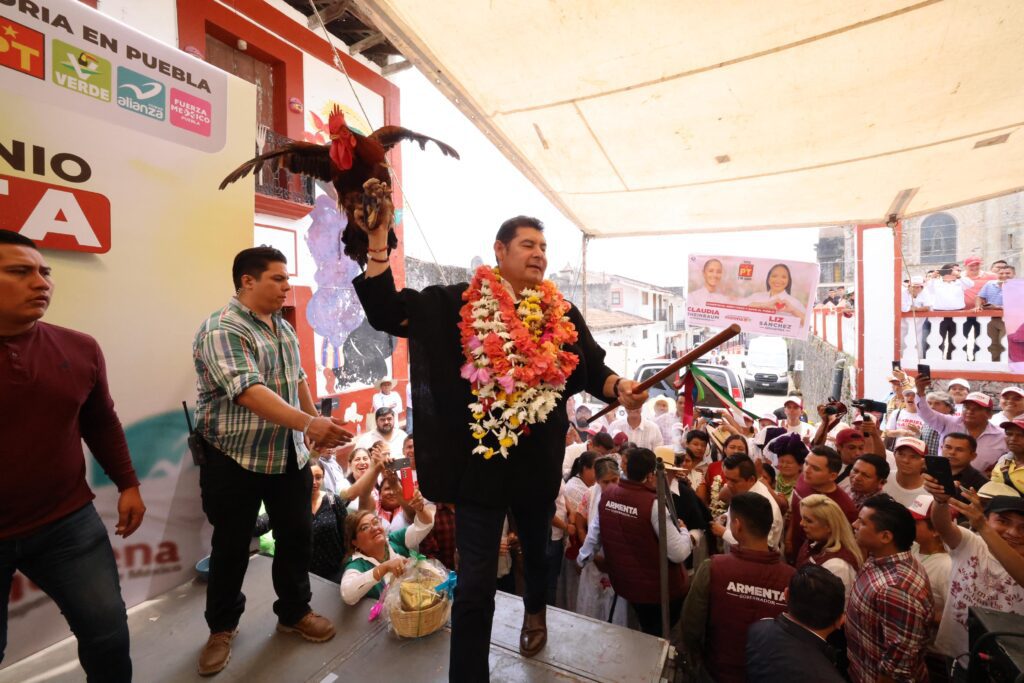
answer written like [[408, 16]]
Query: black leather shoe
[[534, 635]]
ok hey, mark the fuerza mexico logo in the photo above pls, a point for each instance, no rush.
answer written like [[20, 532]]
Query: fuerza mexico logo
[[81, 71], [141, 94]]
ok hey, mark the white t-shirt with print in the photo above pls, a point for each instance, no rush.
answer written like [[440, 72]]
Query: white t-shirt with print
[[976, 579]]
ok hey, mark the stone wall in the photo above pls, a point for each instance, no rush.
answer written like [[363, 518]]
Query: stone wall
[[815, 381]]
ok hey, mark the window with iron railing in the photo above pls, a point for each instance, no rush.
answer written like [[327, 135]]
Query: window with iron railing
[[283, 184]]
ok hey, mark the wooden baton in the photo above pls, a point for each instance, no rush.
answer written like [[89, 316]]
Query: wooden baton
[[689, 357]]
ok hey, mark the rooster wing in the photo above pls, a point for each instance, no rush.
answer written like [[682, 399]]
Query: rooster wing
[[389, 136], [306, 158]]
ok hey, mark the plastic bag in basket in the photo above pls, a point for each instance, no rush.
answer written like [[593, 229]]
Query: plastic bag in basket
[[417, 603]]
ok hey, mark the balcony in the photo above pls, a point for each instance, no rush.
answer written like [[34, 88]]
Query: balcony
[[836, 326], [982, 349], [293, 193]]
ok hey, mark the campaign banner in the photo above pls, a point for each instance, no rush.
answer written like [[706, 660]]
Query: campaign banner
[[112, 145], [1013, 319], [764, 296]]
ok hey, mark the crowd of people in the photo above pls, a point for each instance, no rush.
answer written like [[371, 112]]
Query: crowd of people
[[966, 288], [828, 538], [802, 544]]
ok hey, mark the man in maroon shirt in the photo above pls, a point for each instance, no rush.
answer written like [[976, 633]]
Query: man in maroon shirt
[[821, 467], [53, 394]]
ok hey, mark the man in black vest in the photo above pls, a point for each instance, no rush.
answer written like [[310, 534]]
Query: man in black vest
[[484, 489], [627, 527]]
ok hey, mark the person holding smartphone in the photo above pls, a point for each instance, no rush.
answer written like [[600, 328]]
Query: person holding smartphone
[[977, 578], [974, 420]]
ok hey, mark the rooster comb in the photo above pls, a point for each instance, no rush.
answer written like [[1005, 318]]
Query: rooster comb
[[336, 120]]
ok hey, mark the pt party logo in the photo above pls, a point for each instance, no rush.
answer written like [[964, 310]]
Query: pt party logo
[[21, 48]]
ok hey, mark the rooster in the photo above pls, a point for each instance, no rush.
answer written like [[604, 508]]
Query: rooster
[[357, 168]]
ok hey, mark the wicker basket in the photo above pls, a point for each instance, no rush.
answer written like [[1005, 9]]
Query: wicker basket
[[422, 622]]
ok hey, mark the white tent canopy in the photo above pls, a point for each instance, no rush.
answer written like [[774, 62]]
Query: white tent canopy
[[672, 116]]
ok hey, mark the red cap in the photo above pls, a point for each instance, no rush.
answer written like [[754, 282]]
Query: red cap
[[972, 259], [977, 397], [620, 438], [846, 436], [1018, 423]]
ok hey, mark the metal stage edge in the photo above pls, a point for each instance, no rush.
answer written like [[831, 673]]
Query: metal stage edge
[[168, 631]]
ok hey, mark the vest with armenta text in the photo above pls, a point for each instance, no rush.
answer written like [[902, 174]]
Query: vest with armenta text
[[746, 586], [631, 546]]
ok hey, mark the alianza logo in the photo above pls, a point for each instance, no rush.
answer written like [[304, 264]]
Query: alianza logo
[[81, 71], [141, 94]]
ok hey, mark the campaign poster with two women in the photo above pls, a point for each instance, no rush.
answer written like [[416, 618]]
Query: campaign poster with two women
[[764, 296]]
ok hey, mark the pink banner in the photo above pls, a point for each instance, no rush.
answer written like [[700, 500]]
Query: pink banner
[[764, 296]]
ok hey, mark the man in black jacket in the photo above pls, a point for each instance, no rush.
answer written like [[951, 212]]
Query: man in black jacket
[[484, 489], [791, 648]]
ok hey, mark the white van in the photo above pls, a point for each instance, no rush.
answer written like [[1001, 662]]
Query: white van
[[767, 365]]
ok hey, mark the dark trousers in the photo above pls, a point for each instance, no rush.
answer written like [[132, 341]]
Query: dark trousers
[[971, 324], [231, 501], [649, 615], [477, 537], [947, 330], [555, 553], [72, 561]]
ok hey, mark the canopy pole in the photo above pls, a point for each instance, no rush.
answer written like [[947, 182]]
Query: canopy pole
[[583, 277]]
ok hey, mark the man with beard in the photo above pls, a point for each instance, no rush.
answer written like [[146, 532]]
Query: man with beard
[[385, 431]]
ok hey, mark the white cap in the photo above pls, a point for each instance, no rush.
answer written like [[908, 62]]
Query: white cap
[[1012, 390], [959, 382], [917, 280], [921, 506], [913, 444], [794, 399]]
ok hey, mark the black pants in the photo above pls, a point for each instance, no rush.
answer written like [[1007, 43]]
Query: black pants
[[477, 537], [649, 615], [971, 324], [231, 501], [947, 330]]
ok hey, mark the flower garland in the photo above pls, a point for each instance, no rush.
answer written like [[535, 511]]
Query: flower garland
[[514, 358]]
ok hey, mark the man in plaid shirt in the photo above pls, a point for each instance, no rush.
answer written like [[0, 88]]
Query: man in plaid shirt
[[254, 413], [889, 615]]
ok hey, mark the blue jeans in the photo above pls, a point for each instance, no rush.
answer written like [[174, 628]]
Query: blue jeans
[[72, 561]]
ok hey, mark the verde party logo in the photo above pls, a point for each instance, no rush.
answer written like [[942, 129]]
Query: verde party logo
[[141, 94], [81, 71]]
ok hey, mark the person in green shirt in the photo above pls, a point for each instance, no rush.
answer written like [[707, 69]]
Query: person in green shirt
[[377, 558]]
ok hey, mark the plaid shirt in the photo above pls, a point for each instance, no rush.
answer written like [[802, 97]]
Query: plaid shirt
[[234, 350], [889, 620], [931, 440]]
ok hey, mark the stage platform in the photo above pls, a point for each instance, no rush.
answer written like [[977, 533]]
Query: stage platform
[[168, 632]]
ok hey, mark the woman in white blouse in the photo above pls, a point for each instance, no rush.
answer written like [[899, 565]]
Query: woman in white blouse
[[712, 272], [778, 294], [376, 558]]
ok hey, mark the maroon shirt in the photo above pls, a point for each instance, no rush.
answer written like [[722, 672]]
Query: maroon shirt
[[801, 491], [53, 394]]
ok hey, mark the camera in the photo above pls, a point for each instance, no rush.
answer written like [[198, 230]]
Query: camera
[[835, 407], [867, 405], [706, 413]]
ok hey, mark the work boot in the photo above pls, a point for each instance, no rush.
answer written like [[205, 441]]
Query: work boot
[[312, 627], [534, 634], [216, 653]]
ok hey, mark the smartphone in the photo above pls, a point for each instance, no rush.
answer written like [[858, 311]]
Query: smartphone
[[326, 406], [938, 467], [896, 365], [399, 464], [923, 371]]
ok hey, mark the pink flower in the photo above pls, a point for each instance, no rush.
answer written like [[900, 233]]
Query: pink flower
[[508, 383], [474, 343], [475, 375]]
